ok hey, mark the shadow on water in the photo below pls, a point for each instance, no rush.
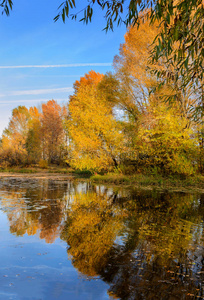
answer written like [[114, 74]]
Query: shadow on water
[[143, 244]]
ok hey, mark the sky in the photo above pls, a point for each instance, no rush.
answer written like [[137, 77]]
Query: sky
[[40, 60]]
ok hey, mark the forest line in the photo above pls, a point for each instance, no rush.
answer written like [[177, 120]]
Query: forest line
[[124, 120]]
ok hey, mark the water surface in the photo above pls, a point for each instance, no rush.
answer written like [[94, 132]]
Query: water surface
[[69, 240]]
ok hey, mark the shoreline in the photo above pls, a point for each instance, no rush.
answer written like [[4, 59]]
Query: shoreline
[[140, 181], [37, 175], [193, 184]]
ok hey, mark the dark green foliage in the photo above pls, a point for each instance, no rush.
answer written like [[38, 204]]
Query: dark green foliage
[[7, 6]]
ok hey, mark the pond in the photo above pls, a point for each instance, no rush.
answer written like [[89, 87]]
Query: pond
[[73, 240]]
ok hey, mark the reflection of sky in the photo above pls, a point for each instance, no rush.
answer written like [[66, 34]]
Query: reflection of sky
[[30, 39]]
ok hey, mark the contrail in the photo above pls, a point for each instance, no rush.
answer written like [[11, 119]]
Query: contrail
[[31, 100], [59, 66], [37, 92]]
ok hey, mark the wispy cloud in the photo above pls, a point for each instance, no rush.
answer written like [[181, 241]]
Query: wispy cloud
[[31, 100], [59, 66], [37, 92]]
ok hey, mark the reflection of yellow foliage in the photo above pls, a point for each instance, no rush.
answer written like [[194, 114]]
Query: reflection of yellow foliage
[[32, 230], [50, 233], [46, 220], [112, 295], [167, 241], [167, 235], [92, 229]]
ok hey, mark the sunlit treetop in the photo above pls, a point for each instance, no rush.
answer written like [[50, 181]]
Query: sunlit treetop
[[180, 40]]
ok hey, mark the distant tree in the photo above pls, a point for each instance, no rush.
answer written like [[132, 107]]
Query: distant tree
[[14, 137], [34, 140], [52, 130], [19, 121]]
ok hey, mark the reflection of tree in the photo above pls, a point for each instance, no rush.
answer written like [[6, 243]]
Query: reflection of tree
[[153, 259], [91, 229], [160, 250], [131, 277], [162, 224], [35, 207], [50, 215]]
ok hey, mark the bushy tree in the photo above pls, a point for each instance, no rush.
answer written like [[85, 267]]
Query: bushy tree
[[165, 142], [95, 134], [14, 137]]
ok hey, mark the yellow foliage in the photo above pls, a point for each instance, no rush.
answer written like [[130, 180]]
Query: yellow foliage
[[43, 164], [95, 134], [167, 141]]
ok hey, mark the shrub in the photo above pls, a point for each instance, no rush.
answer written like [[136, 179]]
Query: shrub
[[43, 164]]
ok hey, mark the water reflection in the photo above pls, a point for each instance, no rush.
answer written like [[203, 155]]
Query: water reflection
[[38, 209], [90, 231], [145, 245]]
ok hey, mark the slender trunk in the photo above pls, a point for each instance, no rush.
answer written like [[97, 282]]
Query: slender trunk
[[115, 162]]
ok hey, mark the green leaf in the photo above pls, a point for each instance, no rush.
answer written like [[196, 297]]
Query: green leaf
[[67, 10], [63, 15]]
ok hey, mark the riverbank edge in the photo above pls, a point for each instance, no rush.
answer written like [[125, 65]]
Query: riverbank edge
[[171, 183]]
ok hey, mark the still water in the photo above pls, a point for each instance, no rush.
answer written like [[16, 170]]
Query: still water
[[72, 240]]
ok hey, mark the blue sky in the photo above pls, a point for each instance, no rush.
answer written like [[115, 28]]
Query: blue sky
[[40, 59]]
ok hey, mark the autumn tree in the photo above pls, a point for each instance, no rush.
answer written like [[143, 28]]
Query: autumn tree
[[165, 143], [33, 135], [52, 130], [142, 94], [135, 81], [117, 95], [14, 137], [33, 140], [136, 74], [95, 133]]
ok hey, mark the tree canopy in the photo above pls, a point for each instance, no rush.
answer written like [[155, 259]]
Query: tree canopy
[[94, 132]]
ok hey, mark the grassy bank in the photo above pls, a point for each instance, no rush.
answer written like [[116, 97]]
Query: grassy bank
[[49, 170], [30, 170], [195, 183]]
